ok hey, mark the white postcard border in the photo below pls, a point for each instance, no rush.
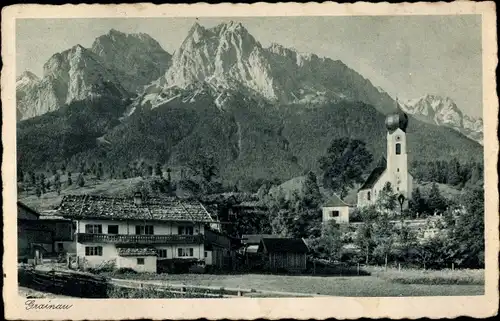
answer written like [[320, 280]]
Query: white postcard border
[[247, 308]]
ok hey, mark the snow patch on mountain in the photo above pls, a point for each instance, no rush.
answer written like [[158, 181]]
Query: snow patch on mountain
[[444, 112]]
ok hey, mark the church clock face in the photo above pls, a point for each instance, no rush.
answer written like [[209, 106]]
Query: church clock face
[[398, 138]]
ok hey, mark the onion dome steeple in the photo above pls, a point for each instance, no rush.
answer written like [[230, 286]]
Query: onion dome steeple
[[396, 120]]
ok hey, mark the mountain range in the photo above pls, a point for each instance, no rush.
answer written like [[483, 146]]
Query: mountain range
[[444, 112], [263, 111]]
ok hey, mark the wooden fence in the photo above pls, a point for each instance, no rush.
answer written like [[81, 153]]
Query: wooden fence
[[62, 282], [83, 285]]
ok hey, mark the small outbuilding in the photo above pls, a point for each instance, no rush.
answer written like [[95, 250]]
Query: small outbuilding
[[336, 209], [284, 254]]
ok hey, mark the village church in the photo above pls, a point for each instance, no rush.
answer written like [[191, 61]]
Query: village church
[[395, 171]]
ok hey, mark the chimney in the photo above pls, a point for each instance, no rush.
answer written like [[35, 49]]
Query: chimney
[[137, 198]]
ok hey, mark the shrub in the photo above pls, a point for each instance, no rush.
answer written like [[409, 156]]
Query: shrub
[[125, 271]]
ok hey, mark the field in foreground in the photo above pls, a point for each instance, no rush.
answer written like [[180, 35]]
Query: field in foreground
[[331, 285]]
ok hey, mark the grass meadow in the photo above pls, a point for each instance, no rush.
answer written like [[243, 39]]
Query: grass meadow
[[383, 284]]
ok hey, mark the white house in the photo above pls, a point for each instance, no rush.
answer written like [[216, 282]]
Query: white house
[[136, 233], [336, 209], [395, 171]]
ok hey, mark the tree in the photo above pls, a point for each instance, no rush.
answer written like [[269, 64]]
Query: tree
[[99, 171], [20, 174], [57, 183], [329, 245], [468, 232], [93, 168], [406, 242], [387, 199], [312, 196], [38, 191], [32, 177], [383, 237], [204, 168], [364, 234], [454, 172], [63, 168], [436, 202], [150, 170], [83, 168], [80, 181], [418, 204], [158, 171], [70, 181], [42, 184], [344, 164]]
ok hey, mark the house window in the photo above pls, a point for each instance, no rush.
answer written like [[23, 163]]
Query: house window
[[334, 214], [398, 149], [185, 252], [206, 253], [185, 230], [93, 251], [112, 229], [144, 230], [93, 228], [162, 253], [140, 261], [369, 196]]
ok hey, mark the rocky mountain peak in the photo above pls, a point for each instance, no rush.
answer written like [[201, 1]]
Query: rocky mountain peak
[[136, 59], [26, 78], [443, 111]]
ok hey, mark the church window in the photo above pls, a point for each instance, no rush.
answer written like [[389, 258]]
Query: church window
[[398, 169], [398, 149], [368, 195]]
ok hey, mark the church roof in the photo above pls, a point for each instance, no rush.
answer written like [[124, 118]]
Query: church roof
[[335, 201], [373, 178]]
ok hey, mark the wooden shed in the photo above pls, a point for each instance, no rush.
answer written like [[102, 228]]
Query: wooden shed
[[284, 254]]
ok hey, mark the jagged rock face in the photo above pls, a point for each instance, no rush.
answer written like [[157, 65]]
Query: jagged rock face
[[137, 59], [221, 55], [228, 56], [444, 112], [74, 74]]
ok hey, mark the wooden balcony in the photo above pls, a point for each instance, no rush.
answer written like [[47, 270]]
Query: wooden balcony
[[139, 239]]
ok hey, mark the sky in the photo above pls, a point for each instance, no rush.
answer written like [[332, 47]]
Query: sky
[[407, 56]]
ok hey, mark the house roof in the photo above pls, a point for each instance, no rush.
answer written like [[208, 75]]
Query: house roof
[[373, 178], [335, 201], [122, 208], [22, 216], [284, 245], [255, 238]]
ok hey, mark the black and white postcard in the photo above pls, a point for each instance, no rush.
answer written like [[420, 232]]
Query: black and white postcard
[[250, 161]]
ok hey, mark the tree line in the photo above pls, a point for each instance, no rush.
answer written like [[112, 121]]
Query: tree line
[[450, 172]]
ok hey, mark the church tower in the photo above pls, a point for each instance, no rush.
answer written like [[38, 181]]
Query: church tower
[[395, 168], [397, 159]]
